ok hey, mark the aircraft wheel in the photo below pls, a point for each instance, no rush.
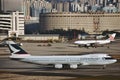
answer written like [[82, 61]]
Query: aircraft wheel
[[104, 67]]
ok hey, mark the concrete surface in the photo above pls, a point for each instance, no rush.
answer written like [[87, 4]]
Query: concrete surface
[[10, 69]]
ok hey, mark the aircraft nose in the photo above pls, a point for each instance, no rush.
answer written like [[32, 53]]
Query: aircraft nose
[[115, 60], [76, 42]]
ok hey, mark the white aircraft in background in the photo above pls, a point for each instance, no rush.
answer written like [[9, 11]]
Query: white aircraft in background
[[19, 54], [93, 43]]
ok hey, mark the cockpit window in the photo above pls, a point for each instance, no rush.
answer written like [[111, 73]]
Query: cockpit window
[[109, 58]]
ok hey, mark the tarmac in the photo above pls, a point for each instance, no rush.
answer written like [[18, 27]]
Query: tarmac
[[12, 70]]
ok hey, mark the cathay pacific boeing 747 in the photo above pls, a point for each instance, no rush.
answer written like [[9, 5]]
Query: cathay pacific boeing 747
[[73, 61]]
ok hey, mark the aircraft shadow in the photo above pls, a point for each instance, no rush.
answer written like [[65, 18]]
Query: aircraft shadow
[[50, 71], [40, 73]]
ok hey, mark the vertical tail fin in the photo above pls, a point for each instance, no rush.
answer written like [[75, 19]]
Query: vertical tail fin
[[15, 49], [112, 37]]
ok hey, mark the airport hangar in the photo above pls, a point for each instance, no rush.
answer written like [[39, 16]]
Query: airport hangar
[[91, 22]]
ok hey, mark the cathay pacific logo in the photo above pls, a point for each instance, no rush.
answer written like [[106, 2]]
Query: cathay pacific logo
[[14, 49]]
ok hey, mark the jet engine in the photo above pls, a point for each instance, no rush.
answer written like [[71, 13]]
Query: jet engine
[[59, 66], [73, 66], [87, 45]]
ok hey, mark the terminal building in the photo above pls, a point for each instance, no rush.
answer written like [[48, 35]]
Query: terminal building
[[91, 22], [12, 23]]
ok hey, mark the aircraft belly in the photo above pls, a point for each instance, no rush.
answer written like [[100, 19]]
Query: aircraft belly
[[50, 61]]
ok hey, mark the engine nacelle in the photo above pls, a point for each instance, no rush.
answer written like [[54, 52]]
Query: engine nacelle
[[74, 66], [87, 45], [59, 66]]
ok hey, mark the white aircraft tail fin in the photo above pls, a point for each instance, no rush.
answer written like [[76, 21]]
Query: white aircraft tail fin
[[15, 50], [112, 37]]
